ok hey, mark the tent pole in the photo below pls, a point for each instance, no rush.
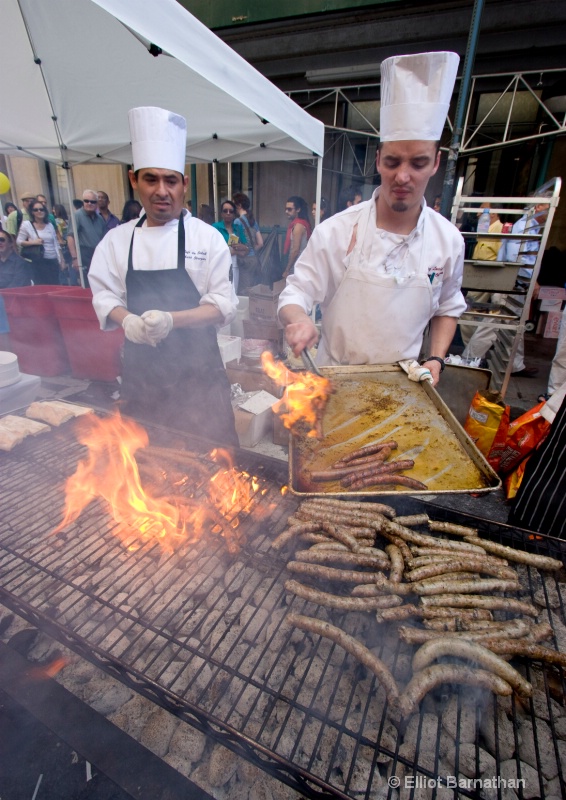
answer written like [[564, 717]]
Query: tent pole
[[230, 192], [70, 195], [318, 189], [215, 189]]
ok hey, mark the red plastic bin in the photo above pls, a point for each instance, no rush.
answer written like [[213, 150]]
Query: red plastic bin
[[93, 354], [35, 335]]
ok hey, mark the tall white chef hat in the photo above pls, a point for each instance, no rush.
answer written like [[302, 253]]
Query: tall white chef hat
[[415, 95], [159, 138]]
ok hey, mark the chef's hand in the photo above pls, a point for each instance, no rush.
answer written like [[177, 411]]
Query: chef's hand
[[300, 335], [158, 324], [435, 370], [135, 330]]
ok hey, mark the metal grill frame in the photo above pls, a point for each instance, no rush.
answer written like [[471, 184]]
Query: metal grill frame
[[53, 457]]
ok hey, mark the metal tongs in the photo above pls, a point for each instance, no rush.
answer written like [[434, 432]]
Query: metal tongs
[[310, 366]]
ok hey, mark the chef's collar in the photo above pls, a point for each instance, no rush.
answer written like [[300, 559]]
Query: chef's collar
[[417, 230]]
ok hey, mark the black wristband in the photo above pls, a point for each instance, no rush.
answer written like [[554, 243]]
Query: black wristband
[[435, 358]]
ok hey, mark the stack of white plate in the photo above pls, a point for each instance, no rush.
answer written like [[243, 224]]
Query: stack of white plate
[[9, 371]]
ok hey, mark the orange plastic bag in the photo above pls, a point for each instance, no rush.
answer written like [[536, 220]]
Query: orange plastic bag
[[487, 423], [524, 436]]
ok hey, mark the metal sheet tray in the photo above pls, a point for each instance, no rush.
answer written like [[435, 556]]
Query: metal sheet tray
[[378, 403]]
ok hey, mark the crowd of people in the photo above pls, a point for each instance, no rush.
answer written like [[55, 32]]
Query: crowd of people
[[37, 245]]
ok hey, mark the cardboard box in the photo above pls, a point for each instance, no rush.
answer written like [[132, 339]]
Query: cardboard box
[[280, 432], [251, 379], [552, 327], [551, 305], [262, 330], [552, 293], [263, 302], [254, 417], [230, 348]]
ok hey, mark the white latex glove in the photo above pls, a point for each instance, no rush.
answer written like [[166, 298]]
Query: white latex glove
[[135, 330], [158, 324]]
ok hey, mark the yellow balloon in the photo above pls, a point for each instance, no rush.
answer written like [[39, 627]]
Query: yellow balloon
[[4, 183]]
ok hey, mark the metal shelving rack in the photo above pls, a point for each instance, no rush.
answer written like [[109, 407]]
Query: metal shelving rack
[[502, 277]]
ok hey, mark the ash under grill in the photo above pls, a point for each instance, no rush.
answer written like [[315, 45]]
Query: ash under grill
[[201, 632]]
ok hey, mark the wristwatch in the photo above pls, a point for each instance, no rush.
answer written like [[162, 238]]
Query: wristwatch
[[435, 358]]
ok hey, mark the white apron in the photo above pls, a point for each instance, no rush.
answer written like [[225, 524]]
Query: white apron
[[376, 318]]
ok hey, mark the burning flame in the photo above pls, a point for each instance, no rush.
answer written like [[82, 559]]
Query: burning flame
[[110, 472], [230, 490], [49, 670], [305, 395]]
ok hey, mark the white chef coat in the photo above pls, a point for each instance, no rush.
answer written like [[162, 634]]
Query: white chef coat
[[207, 260], [357, 288]]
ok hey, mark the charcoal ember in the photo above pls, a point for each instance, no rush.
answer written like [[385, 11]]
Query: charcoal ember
[[541, 709], [504, 738], [178, 762], [202, 677], [471, 761], [559, 630], [553, 789], [260, 790], [420, 731], [560, 728], [254, 624], [387, 741], [107, 695], [547, 596], [242, 696], [510, 772], [236, 576], [267, 595], [544, 743], [403, 670], [459, 717], [158, 731], [200, 589], [274, 629], [133, 715], [44, 649], [364, 777], [187, 744]]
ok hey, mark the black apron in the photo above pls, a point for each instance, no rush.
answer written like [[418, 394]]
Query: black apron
[[182, 382]]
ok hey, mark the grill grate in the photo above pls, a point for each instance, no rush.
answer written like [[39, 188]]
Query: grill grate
[[202, 633]]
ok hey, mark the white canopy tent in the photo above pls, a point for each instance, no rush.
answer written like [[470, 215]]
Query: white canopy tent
[[71, 69]]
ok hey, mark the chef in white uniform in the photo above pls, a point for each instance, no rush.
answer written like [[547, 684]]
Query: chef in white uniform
[[165, 279], [383, 269]]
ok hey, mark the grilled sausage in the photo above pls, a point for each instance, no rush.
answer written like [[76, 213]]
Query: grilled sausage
[[515, 629], [423, 540], [375, 458], [518, 556], [344, 557], [330, 573], [407, 611], [412, 519], [366, 451], [450, 527], [349, 505], [352, 646], [340, 602], [519, 647], [289, 533], [441, 552], [397, 563], [388, 479], [472, 651], [464, 587], [430, 677], [377, 469], [481, 601], [461, 564]]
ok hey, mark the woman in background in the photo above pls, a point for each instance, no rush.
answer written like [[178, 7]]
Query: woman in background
[[132, 210], [39, 232], [234, 236], [250, 266]]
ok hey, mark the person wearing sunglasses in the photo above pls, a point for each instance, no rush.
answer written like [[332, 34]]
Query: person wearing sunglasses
[[91, 229], [15, 271], [234, 235], [37, 239]]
